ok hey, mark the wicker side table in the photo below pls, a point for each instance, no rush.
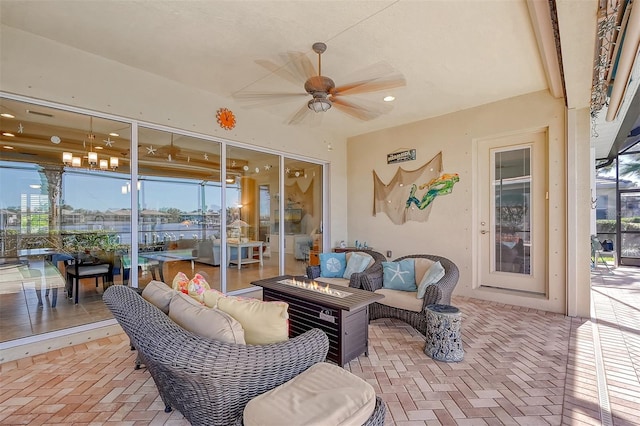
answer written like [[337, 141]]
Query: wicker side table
[[444, 339]]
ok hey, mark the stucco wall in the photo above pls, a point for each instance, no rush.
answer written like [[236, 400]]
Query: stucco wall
[[450, 230]]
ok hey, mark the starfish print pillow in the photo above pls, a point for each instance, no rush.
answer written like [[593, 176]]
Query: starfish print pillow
[[399, 275]]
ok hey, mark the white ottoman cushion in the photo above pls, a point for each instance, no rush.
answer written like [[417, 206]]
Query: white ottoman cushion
[[324, 395]]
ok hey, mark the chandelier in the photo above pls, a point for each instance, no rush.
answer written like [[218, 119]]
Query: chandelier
[[92, 157]]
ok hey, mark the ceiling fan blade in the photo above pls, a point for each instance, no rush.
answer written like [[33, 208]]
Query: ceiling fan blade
[[279, 70], [376, 77], [372, 85], [296, 68], [257, 99], [302, 65], [360, 109], [300, 115]]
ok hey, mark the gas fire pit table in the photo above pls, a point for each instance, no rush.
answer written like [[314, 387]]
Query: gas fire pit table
[[341, 312]]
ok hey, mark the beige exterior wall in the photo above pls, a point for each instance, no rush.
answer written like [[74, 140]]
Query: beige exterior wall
[[450, 230]]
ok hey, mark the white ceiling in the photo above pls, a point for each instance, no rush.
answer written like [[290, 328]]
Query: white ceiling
[[454, 54]]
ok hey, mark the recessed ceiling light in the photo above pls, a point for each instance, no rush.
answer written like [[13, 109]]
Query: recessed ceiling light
[[7, 115], [7, 147], [389, 98], [35, 186], [114, 134], [8, 134], [55, 139], [98, 147]]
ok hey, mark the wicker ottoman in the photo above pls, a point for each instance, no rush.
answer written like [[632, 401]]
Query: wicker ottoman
[[325, 394], [444, 341]]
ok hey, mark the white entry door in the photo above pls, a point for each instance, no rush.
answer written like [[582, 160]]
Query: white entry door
[[512, 218]]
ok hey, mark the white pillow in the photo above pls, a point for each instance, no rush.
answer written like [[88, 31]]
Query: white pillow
[[421, 266], [357, 262], [204, 321], [432, 276]]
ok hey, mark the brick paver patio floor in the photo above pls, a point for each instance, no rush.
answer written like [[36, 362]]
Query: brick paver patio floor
[[521, 367]]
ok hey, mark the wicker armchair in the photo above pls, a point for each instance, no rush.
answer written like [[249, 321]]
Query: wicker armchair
[[208, 381], [369, 278], [439, 293]]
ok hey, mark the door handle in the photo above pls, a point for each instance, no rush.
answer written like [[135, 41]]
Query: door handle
[[484, 232]]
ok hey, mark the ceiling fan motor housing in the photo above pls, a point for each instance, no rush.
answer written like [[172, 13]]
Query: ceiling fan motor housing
[[319, 83]]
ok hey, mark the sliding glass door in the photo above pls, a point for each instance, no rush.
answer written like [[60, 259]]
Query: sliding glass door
[[302, 214], [143, 202]]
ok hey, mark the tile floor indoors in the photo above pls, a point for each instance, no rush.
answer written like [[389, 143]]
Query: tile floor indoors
[[21, 316], [521, 367]]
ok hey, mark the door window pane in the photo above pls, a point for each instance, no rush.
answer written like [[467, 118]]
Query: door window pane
[[512, 198]]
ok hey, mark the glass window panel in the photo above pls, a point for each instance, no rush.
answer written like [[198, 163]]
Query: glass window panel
[[179, 206], [631, 245], [251, 234], [629, 171], [512, 197], [302, 214], [55, 214], [606, 197]]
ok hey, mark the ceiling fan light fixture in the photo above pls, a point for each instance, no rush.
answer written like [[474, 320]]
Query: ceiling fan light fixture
[[319, 104]]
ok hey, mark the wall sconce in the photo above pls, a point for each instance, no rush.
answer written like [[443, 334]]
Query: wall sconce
[[104, 164], [76, 161], [93, 158], [66, 158], [113, 162]]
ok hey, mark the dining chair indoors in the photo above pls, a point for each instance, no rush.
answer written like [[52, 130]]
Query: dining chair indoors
[[77, 270]]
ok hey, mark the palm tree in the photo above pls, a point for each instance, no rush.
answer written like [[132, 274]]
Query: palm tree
[[629, 169]]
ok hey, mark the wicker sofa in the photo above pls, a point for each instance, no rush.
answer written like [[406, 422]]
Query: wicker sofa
[[369, 278], [439, 293], [208, 381]]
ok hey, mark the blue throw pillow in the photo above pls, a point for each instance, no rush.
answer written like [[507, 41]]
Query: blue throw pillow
[[399, 275], [358, 262], [332, 265], [432, 276]]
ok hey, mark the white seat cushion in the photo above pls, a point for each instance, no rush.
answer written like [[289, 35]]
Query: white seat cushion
[[90, 270], [407, 300], [324, 395]]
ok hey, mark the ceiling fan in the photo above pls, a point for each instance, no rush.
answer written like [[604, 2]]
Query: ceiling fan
[[324, 92]]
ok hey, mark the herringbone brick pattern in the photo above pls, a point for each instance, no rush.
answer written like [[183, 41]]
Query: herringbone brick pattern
[[521, 367]]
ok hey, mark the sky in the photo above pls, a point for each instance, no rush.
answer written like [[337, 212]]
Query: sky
[[103, 190]]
